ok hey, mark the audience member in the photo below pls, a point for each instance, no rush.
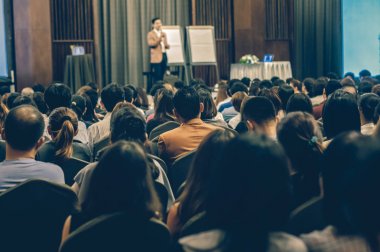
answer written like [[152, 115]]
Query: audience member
[[209, 113], [63, 126], [309, 84], [299, 102], [11, 98], [227, 109], [39, 88], [275, 99], [365, 87], [187, 137], [23, 100], [367, 106], [78, 105], [259, 114], [297, 86], [330, 88], [57, 95], [23, 129], [39, 100], [302, 140], [364, 73], [27, 91], [285, 92], [237, 100]]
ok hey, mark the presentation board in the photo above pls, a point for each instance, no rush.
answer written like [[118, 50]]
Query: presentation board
[[176, 54], [201, 41], [3, 48]]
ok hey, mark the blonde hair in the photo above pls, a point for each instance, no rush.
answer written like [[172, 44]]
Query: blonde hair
[[63, 124]]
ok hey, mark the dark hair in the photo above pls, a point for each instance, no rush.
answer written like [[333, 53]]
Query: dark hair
[[209, 110], [111, 95], [365, 73], [320, 85], [309, 84], [333, 76], [254, 89], [340, 114], [237, 100], [11, 98], [129, 94], [365, 87], [78, 105], [332, 86], [238, 87], [301, 137], [122, 181], [187, 103], [23, 100], [128, 124], [142, 99], [299, 102], [273, 97], [57, 95], [349, 74], [91, 93], [39, 88], [274, 78], [246, 81], [367, 106], [296, 84], [265, 84], [259, 110], [164, 105], [178, 84], [39, 100], [265, 197], [155, 19], [348, 82], [376, 89], [92, 85], [279, 83], [89, 115], [285, 92], [155, 89], [63, 124], [23, 127], [201, 172]]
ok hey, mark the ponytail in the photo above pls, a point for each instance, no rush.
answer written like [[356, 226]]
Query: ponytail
[[64, 140]]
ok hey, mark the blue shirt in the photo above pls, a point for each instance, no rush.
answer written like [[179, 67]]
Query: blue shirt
[[13, 172]]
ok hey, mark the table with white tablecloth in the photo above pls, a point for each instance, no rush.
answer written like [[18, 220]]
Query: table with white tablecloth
[[262, 70]]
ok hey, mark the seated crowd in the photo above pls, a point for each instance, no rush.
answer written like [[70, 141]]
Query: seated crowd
[[268, 165]]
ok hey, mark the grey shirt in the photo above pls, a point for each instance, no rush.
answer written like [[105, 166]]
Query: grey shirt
[[13, 172]]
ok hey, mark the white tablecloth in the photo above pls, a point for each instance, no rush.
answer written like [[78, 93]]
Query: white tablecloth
[[262, 71]]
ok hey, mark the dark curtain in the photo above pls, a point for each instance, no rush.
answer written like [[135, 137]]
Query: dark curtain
[[318, 42], [120, 35]]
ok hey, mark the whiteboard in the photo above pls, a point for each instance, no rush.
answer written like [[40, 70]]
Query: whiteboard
[[202, 45], [175, 53]]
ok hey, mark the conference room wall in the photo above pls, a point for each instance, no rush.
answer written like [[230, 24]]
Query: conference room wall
[[32, 38], [250, 32]]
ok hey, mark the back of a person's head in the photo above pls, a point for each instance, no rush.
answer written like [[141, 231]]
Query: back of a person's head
[[238, 87], [246, 81], [274, 78], [259, 109], [92, 85], [142, 100], [39, 88], [309, 84], [367, 106], [273, 97], [179, 84], [279, 83], [27, 91], [57, 95], [333, 76], [365, 87], [209, 107], [320, 85], [237, 100], [11, 98], [301, 137], [266, 84], [23, 128], [332, 86], [339, 160], [296, 84], [340, 114], [254, 89], [364, 73], [164, 105], [78, 105], [204, 166], [350, 75], [299, 102], [128, 124], [347, 82], [39, 100], [91, 93], [129, 94], [23, 100], [63, 126], [253, 173], [111, 95], [121, 181], [155, 89], [187, 103], [376, 89], [134, 93], [285, 92]]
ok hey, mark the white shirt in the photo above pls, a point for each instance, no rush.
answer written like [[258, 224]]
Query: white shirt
[[223, 102], [99, 130], [235, 121], [162, 42], [82, 135]]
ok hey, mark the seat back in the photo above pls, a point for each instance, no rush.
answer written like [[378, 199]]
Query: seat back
[[32, 215], [178, 171], [162, 129], [99, 145], [160, 161], [71, 167], [118, 232]]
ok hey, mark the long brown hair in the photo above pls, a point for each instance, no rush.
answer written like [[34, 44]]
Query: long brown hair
[[63, 125]]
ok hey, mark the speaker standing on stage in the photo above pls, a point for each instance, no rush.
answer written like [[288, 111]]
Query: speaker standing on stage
[[158, 44]]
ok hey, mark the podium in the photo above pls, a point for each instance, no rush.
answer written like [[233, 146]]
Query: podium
[[79, 70]]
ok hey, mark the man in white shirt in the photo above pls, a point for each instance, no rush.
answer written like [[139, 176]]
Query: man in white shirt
[[110, 96]]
